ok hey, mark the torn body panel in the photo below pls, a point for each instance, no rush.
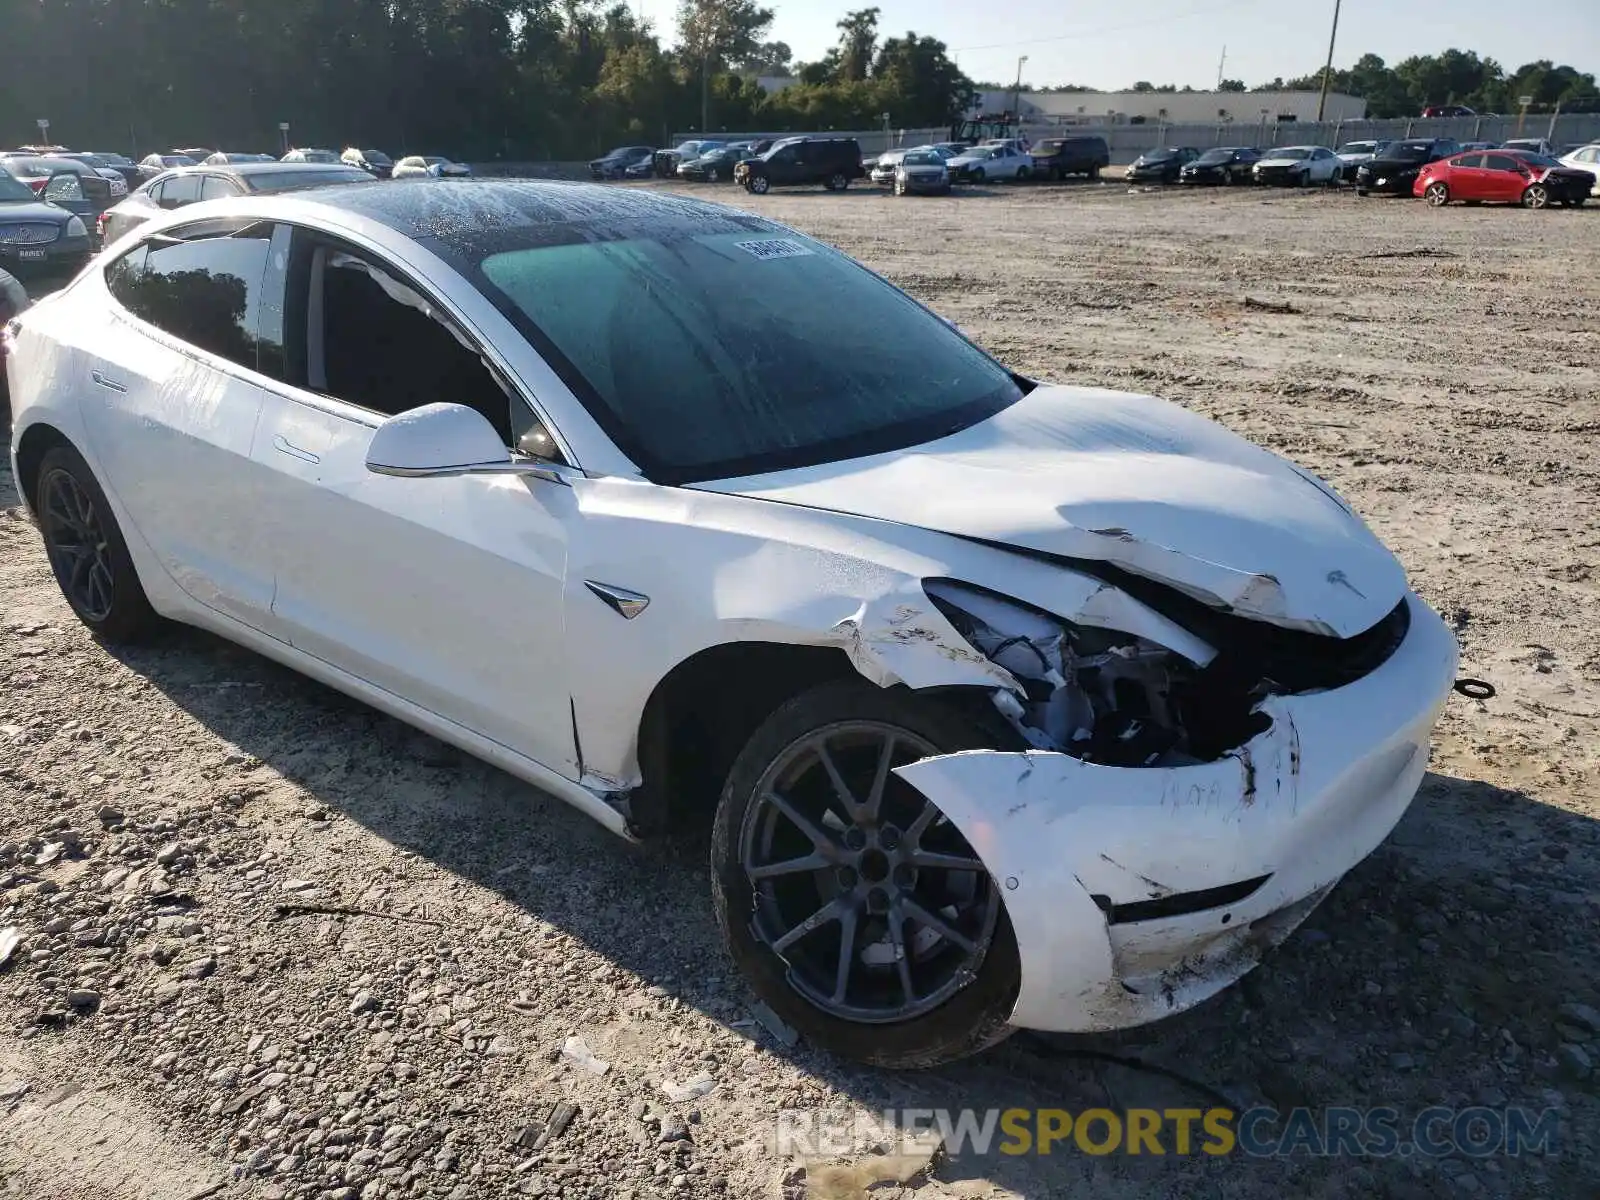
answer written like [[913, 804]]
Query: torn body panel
[[1300, 804]]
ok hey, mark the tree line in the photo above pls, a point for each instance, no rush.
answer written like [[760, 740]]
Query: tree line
[[531, 79]]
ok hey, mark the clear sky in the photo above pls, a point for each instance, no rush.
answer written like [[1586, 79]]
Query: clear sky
[[1110, 45]]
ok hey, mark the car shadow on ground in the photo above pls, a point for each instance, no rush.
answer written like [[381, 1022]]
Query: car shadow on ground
[[1431, 976]]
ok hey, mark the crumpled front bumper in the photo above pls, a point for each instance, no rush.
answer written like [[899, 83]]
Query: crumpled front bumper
[[1100, 866]]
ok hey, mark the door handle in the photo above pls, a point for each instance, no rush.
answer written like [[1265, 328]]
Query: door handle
[[106, 381], [284, 446]]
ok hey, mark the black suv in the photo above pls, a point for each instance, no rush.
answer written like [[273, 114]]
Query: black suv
[[1395, 168], [795, 162], [1056, 158]]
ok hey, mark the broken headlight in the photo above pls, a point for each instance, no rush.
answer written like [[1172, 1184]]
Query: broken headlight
[[1100, 695]]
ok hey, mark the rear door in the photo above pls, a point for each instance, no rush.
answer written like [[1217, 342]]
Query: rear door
[[172, 399], [1465, 177], [446, 592]]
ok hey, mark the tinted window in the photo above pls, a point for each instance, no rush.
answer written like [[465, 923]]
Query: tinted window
[[206, 291], [718, 354], [1503, 162], [215, 187], [180, 190], [1469, 161]]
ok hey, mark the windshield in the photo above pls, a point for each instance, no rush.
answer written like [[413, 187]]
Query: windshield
[[710, 355], [923, 158], [1409, 151], [1288, 153], [283, 181], [1213, 157], [1358, 148], [13, 189], [1158, 155]]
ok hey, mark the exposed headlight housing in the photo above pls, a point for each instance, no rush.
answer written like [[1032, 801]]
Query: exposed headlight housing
[[76, 228], [1101, 695]]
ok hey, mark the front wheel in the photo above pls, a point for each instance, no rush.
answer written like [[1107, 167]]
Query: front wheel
[[1437, 195], [88, 555], [1536, 195], [1022, 174], [760, 185], [1578, 201], [1094, 172], [899, 187], [838, 181], [852, 905], [976, 175], [712, 176]]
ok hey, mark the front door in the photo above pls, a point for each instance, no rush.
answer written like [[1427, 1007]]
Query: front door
[[173, 392], [1504, 179], [446, 592]]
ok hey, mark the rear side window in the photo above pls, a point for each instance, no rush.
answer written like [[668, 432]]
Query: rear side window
[[215, 187], [215, 293], [1502, 162], [180, 190]]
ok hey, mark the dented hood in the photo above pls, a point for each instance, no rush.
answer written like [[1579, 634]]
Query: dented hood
[[1133, 481]]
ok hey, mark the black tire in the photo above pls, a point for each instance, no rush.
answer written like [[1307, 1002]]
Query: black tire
[[1579, 201], [1436, 194], [838, 181], [1023, 175], [759, 184], [959, 1020], [976, 175], [1536, 195], [1094, 172], [711, 175], [87, 552]]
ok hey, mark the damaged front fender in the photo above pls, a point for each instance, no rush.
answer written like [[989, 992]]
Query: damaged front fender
[[1134, 892]]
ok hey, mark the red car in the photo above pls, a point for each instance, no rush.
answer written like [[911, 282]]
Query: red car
[[1502, 177]]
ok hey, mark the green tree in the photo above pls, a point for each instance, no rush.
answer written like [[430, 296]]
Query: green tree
[[858, 42], [918, 83]]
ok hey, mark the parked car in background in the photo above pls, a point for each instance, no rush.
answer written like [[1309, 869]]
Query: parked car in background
[[223, 158], [1532, 145], [430, 166], [1585, 158], [749, 525], [835, 163], [922, 172], [1395, 171], [1480, 145], [666, 161], [1447, 110], [190, 185], [310, 156], [614, 164], [1297, 166], [374, 162], [1161, 165], [884, 166], [1224, 165], [13, 300], [46, 177], [112, 166], [152, 165], [198, 153], [991, 164], [1353, 154], [1057, 157], [39, 236], [715, 166], [1502, 177]]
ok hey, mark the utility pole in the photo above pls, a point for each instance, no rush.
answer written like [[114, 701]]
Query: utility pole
[[1222, 64], [705, 93], [1327, 71], [1016, 95]]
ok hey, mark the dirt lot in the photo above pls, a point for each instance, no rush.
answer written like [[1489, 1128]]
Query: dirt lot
[[171, 1030]]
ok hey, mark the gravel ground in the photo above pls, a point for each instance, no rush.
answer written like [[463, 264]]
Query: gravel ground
[[273, 944]]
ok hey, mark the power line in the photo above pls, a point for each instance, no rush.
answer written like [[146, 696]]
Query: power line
[[1091, 33]]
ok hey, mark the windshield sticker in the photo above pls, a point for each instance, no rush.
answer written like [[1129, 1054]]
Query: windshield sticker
[[774, 248]]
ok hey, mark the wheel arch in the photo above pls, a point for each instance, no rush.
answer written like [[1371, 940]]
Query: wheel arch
[[700, 714], [36, 441]]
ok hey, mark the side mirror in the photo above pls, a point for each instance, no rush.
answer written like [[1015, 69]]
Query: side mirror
[[448, 439]]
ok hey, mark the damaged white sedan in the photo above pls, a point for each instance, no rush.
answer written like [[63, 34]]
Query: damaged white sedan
[[1016, 704]]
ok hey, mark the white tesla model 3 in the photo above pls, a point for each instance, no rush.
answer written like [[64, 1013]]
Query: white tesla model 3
[[1017, 704]]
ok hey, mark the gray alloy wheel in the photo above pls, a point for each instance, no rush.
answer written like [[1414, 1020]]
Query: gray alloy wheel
[[838, 181], [1437, 195], [832, 848], [711, 175], [760, 185], [1536, 196]]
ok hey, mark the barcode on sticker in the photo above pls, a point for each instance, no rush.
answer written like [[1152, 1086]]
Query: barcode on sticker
[[774, 248]]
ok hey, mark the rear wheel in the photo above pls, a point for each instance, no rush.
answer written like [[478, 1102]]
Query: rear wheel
[[1023, 174], [1536, 195], [899, 187], [1437, 195], [87, 552], [1094, 172], [855, 909], [838, 181]]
